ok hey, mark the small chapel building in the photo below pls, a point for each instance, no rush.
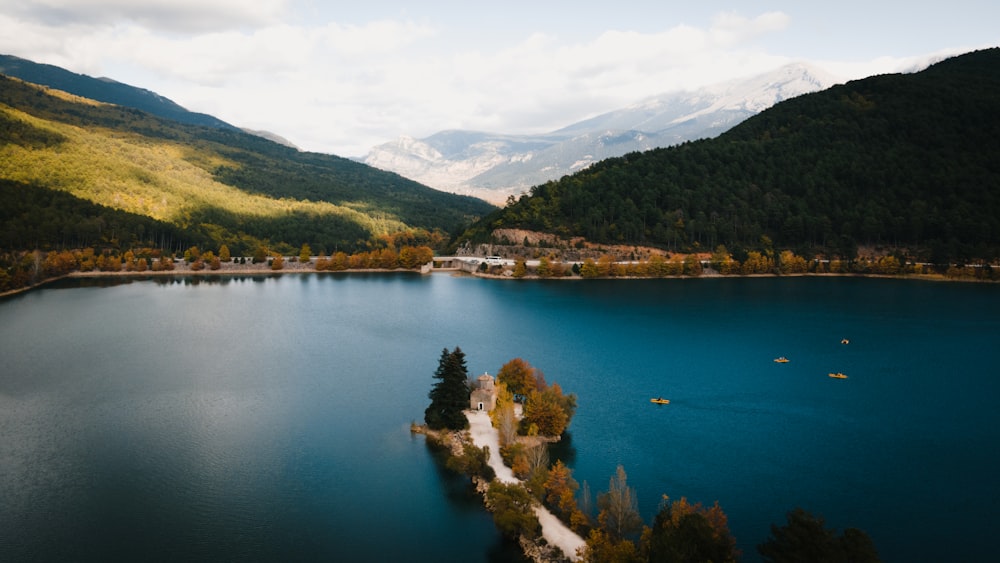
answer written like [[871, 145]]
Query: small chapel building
[[484, 396]]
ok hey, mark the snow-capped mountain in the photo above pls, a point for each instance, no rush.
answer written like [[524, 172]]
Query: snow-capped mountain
[[494, 166]]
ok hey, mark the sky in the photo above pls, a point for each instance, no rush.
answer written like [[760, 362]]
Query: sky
[[341, 79]]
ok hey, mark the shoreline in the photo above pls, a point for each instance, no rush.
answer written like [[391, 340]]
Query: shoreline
[[227, 269], [230, 269], [555, 532], [560, 542]]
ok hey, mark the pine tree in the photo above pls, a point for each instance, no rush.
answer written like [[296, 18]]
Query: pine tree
[[450, 395]]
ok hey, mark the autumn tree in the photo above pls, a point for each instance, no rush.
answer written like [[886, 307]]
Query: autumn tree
[[544, 267], [806, 538], [606, 265], [413, 257], [619, 507], [656, 266], [259, 254], [450, 394], [520, 268], [685, 532], [191, 254], [722, 261], [518, 376], [791, 263], [129, 260], [549, 410], [387, 259], [305, 254], [59, 263], [537, 463], [589, 269], [560, 495], [87, 260], [515, 456], [692, 265], [213, 261], [601, 547], [224, 254], [557, 268], [278, 262], [757, 263], [165, 263], [339, 261], [503, 417]]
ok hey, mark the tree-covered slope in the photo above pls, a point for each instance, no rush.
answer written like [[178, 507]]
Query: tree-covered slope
[[104, 90], [221, 185], [904, 161]]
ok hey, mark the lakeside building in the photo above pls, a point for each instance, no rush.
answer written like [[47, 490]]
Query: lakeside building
[[484, 396]]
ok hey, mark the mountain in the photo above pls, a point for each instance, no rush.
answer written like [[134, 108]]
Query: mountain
[[104, 90], [907, 162], [148, 180], [271, 137], [493, 166]]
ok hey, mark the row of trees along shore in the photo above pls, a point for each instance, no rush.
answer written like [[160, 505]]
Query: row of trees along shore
[[24, 269], [681, 531], [722, 262]]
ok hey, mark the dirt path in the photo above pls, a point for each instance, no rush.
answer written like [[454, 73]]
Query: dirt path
[[553, 530]]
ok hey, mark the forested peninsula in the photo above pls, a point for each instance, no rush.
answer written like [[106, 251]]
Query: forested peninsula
[[519, 414]]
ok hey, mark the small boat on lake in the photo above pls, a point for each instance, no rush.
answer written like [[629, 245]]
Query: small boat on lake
[[781, 360], [838, 375], [845, 341], [660, 401]]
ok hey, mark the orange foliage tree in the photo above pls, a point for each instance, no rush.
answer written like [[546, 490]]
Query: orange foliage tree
[[690, 532], [560, 491]]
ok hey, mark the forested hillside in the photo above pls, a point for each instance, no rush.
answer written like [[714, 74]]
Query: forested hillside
[[104, 90], [150, 181], [906, 162]]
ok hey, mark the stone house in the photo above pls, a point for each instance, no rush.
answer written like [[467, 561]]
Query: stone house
[[484, 395]]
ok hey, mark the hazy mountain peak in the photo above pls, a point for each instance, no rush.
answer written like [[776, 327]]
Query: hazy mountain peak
[[492, 166]]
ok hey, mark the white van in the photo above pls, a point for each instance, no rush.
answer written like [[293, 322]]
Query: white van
[[494, 261]]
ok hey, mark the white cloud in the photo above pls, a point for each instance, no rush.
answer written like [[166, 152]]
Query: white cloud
[[730, 28], [187, 16], [332, 80]]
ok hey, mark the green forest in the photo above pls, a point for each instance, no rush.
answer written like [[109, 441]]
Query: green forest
[[906, 162]]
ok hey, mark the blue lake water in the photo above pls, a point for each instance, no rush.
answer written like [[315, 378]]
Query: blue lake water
[[268, 418]]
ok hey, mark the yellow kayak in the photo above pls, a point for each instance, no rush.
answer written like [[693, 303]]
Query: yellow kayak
[[838, 375], [781, 360], [660, 401]]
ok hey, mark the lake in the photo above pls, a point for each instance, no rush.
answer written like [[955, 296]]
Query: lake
[[267, 418]]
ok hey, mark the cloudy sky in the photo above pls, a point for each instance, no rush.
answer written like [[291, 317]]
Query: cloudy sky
[[342, 79]]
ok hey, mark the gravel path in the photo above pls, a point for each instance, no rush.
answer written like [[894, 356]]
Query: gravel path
[[553, 530]]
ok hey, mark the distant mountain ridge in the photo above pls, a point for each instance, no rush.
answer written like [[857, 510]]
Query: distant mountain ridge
[[105, 90], [494, 166]]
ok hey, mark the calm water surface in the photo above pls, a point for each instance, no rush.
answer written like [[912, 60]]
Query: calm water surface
[[267, 418]]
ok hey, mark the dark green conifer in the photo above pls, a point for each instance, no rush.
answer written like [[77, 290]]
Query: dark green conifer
[[450, 395]]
